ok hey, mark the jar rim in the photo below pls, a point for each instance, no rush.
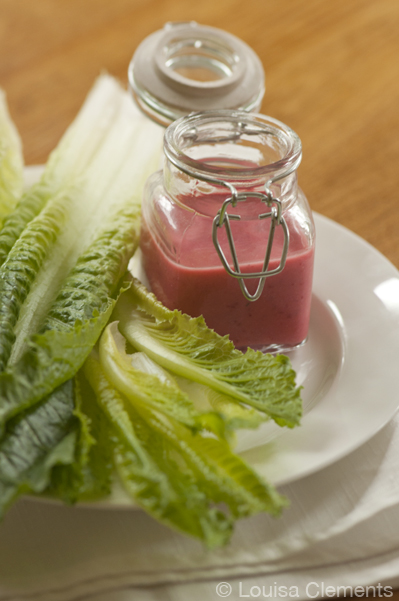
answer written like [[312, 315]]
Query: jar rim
[[184, 128]]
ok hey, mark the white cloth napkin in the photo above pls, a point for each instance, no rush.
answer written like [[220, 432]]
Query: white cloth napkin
[[341, 530]]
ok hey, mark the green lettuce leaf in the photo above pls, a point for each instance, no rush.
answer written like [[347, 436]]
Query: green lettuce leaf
[[11, 162], [148, 472], [63, 250], [222, 476], [187, 347], [28, 207], [22, 265], [143, 381], [100, 166], [33, 443], [61, 274], [90, 475], [179, 477], [74, 323], [140, 386], [235, 415]]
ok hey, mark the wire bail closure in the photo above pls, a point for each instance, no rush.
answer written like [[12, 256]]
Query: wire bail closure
[[223, 219]]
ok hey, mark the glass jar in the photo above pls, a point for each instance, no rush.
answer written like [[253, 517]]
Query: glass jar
[[226, 231]]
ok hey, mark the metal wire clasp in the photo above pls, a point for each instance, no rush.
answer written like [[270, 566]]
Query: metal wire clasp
[[277, 220]]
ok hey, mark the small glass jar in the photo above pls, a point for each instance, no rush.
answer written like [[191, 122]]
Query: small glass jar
[[226, 231]]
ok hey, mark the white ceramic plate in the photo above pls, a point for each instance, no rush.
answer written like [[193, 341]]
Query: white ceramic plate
[[348, 367]]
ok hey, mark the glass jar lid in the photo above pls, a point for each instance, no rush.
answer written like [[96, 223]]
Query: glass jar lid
[[186, 67]]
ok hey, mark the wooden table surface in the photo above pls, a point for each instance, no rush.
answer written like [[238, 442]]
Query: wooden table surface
[[332, 74]]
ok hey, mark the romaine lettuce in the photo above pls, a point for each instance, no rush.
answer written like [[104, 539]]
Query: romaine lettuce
[[22, 265], [34, 442], [11, 163], [61, 273], [180, 478], [63, 251], [144, 387], [28, 207], [187, 347], [74, 322], [90, 475]]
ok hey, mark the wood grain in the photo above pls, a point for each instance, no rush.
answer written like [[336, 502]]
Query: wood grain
[[332, 74]]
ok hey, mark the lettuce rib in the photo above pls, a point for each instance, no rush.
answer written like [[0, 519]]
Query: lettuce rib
[[142, 387], [11, 163], [187, 347], [234, 415], [22, 265]]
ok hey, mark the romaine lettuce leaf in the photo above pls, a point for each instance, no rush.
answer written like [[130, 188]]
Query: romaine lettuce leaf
[[235, 415], [101, 163], [142, 380], [61, 275], [11, 162], [63, 250], [28, 207], [90, 475], [187, 347], [148, 471], [22, 265], [177, 476], [140, 386], [34, 442], [75, 321]]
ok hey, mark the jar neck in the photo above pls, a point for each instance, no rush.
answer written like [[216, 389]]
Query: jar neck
[[213, 154], [205, 198]]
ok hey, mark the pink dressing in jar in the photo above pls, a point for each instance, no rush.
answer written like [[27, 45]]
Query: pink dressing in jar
[[179, 256]]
